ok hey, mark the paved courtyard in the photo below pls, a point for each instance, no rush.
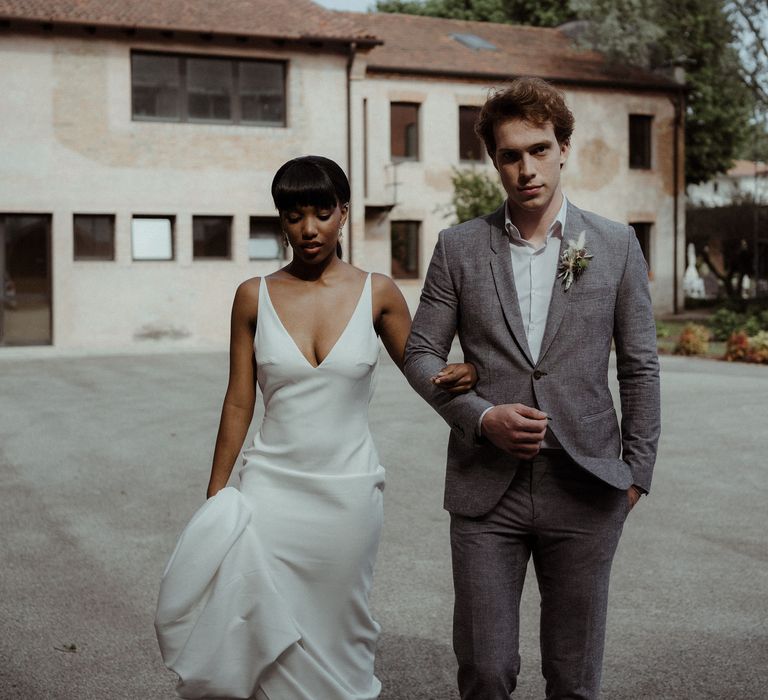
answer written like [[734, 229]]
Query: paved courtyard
[[103, 460]]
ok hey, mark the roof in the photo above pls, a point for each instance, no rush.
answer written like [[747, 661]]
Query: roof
[[425, 45], [284, 19], [748, 168]]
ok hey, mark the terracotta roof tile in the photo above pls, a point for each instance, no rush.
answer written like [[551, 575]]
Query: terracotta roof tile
[[289, 19], [748, 168], [424, 45]]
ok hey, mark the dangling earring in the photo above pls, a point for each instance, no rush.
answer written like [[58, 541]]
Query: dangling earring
[[286, 243], [341, 232]]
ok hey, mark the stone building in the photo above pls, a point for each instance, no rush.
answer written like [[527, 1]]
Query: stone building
[[139, 141]]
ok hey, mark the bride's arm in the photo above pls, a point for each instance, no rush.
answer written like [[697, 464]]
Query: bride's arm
[[393, 324], [392, 319], [237, 410]]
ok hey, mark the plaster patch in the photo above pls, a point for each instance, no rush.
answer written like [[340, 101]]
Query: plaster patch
[[599, 164]]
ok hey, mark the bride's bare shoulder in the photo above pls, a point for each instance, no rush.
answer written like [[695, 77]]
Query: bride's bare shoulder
[[386, 293], [247, 296]]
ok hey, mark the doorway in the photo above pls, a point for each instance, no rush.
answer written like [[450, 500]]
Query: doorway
[[25, 279]]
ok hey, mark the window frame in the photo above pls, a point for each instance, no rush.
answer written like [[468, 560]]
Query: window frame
[[281, 249], [82, 258], [405, 158], [235, 97], [169, 217], [229, 219], [646, 241], [409, 275], [462, 158], [641, 160]]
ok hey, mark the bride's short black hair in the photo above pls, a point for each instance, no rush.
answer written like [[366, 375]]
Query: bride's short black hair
[[310, 181]]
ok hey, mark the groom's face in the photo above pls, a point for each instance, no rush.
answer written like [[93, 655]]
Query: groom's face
[[529, 159]]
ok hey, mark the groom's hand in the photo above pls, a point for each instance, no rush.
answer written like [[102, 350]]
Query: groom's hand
[[515, 428]]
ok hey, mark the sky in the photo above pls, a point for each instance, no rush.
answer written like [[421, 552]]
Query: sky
[[354, 5]]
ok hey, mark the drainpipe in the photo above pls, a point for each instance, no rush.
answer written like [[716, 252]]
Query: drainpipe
[[350, 62], [679, 106]]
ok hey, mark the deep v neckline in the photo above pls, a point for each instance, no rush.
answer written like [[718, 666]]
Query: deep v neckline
[[337, 341]]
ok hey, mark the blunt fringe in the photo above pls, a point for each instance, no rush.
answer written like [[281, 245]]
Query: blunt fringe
[[310, 181], [531, 99]]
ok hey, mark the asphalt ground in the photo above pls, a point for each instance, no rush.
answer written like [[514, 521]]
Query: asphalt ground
[[103, 459]]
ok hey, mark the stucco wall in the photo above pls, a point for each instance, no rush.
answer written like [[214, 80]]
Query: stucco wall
[[70, 146]]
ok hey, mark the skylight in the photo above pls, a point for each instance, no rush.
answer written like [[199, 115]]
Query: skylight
[[475, 42]]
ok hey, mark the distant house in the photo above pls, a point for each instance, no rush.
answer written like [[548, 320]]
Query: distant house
[[746, 181], [139, 141], [728, 224]]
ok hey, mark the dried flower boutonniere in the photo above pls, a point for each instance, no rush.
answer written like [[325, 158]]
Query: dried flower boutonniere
[[574, 260]]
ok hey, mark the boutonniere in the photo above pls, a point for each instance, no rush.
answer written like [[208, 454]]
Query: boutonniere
[[574, 260]]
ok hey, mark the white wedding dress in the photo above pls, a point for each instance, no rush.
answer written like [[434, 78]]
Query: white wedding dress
[[266, 593]]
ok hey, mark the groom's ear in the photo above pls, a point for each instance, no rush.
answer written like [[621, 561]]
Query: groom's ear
[[565, 149]]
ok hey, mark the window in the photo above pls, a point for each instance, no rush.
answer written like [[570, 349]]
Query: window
[[643, 233], [404, 130], [266, 239], [207, 89], [152, 237], [94, 236], [210, 87], [640, 141], [156, 86], [472, 41], [405, 249], [211, 237], [470, 147]]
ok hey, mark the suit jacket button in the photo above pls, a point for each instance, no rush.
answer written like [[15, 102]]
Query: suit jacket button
[[538, 374]]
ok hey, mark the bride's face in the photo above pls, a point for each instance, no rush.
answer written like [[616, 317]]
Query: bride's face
[[313, 231]]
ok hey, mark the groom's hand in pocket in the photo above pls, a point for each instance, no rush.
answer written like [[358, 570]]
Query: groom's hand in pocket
[[456, 378], [515, 428]]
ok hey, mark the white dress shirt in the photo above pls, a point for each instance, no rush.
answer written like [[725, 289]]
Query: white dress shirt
[[534, 271]]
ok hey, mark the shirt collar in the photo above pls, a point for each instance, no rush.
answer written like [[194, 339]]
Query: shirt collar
[[556, 228]]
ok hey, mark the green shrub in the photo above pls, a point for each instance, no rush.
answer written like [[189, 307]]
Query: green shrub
[[662, 330], [724, 323], [758, 348], [752, 325], [694, 340]]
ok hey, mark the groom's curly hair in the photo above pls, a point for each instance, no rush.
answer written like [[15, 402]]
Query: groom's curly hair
[[531, 99]]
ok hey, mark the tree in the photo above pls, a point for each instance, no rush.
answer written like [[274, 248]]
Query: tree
[[539, 13], [750, 17], [474, 193], [699, 36]]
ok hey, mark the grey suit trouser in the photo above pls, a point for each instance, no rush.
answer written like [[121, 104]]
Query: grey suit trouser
[[570, 523]]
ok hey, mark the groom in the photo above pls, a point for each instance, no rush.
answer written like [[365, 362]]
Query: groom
[[537, 464]]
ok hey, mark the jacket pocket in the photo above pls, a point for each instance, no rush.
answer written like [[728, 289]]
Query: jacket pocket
[[597, 416]]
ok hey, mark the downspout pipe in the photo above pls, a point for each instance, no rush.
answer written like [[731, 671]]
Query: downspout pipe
[[679, 110], [350, 63]]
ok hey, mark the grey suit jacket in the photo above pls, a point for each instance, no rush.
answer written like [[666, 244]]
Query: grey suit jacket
[[470, 289]]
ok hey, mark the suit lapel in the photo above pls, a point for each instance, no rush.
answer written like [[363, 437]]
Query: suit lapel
[[504, 280], [560, 298]]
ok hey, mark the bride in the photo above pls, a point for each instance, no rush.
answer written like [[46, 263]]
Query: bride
[[266, 593]]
